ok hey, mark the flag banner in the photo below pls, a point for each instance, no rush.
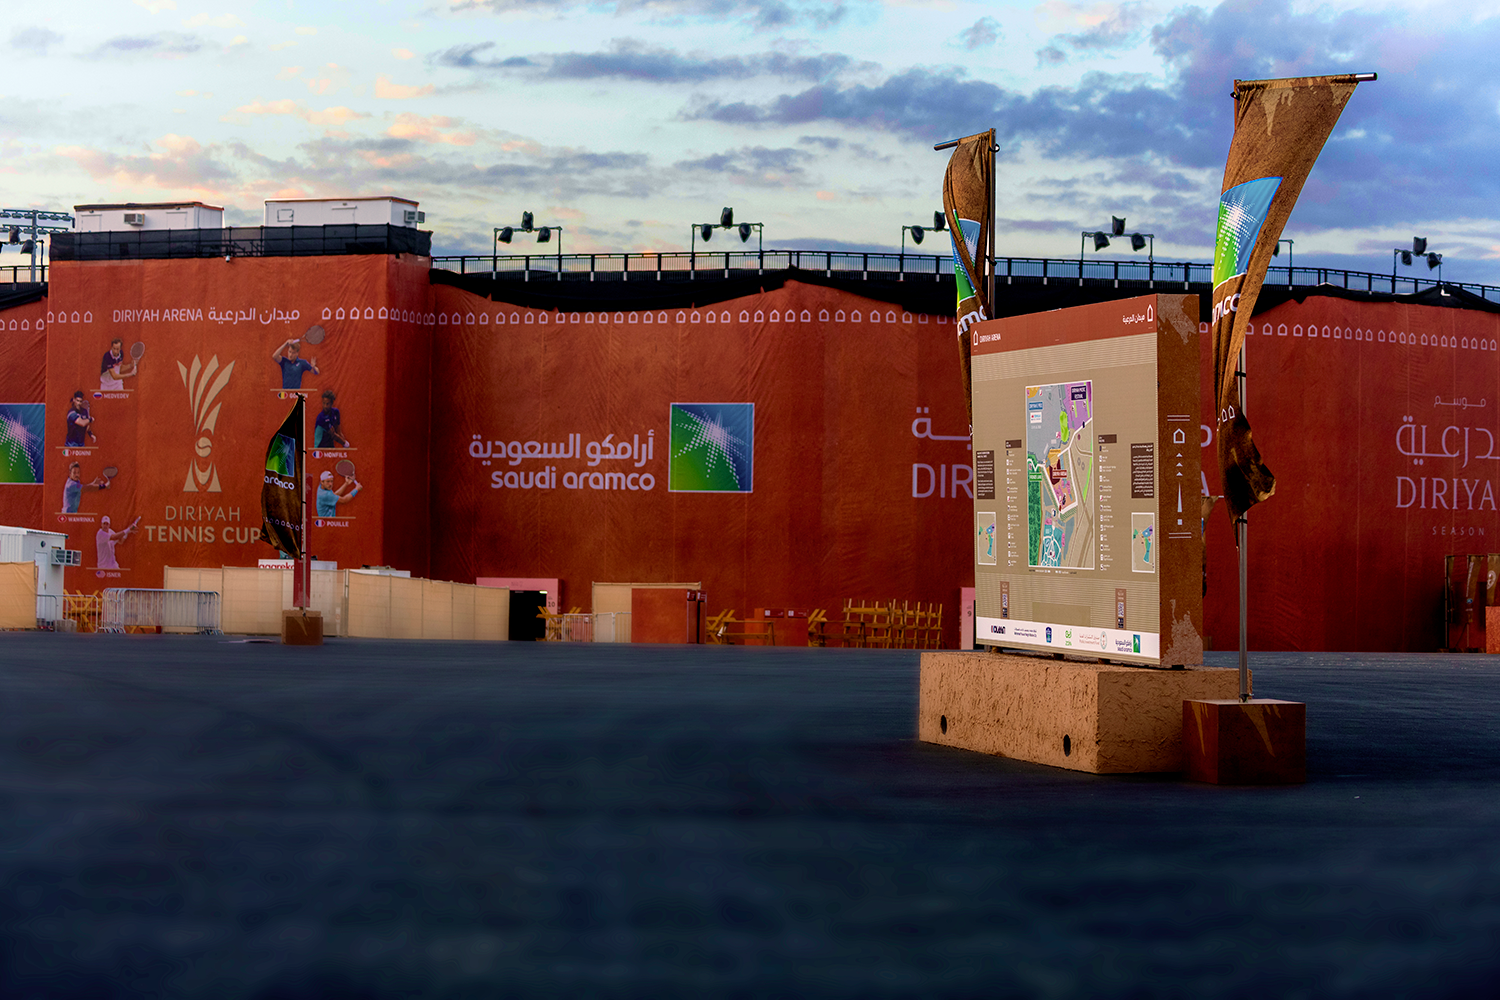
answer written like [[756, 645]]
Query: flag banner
[[281, 493], [1280, 127], [968, 189]]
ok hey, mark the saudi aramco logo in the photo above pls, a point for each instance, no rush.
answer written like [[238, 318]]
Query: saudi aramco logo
[[712, 448]]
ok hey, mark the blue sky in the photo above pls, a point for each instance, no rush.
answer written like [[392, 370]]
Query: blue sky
[[627, 121]]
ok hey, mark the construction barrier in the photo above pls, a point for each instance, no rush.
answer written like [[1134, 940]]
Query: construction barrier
[[356, 603], [612, 626], [18, 595], [125, 608]]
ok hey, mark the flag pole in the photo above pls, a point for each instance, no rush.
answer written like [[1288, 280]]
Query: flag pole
[[303, 566], [1242, 532]]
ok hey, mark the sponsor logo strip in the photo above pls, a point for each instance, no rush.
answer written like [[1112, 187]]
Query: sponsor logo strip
[[1088, 640]]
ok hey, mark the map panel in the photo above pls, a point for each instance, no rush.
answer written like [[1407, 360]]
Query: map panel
[[1060, 471]]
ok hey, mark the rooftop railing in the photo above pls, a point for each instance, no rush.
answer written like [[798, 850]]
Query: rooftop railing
[[1182, 275]]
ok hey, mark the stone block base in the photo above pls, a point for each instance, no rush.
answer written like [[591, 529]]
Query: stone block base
[[302, 628], [1256, 742], [1094, 717]]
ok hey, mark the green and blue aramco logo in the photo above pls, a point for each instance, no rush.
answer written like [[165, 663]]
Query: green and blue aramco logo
[[1242, 211], [22, 433], [712, 448], [281, 457]]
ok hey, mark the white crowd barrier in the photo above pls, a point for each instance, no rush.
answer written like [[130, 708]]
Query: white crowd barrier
[[127, 607]]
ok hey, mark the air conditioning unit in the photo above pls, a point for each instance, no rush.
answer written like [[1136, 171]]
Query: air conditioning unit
[[67, 557], [415, 218], [135, 218]]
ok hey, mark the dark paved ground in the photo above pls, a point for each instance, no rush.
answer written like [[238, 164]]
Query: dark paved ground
[[189, 817]]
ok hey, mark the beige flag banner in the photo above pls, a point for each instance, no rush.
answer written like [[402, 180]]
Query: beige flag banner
[[1280, 127], [968, 190]]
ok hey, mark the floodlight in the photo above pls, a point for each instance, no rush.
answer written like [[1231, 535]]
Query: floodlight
[[506, 235], [706, 231], [1433, 260], [544, 235], [1117, 226], [1277, 252], [29, 245], [1137, 241], [527, 222], [1406, 257], [1100, 241], [726, 218], [939, 222], [1418, 244], [917, 233], [15, 234], [745, 230]]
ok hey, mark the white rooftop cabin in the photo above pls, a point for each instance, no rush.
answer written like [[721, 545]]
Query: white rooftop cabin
[[155, 215], [384, 211]]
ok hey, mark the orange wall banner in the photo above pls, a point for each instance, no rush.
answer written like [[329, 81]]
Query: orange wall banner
[[23, 380], [170, 467], [1385, 422], [794, 447]]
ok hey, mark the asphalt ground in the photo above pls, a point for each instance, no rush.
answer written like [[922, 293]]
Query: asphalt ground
[[196, 817]]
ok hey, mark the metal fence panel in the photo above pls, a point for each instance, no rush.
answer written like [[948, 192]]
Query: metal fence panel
[[125, 608]]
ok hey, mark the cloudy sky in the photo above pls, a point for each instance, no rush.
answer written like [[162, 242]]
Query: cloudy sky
[[627, 121]]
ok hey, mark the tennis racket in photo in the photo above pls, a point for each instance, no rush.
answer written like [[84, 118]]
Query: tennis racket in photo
[[137, 350], [344, 468], [315, 335], [110, 471]]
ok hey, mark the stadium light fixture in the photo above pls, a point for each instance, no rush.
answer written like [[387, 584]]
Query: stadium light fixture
[[505, 234], [1417, 252], [1117, 226], [35, 224], [919, 233], [705, 232], [1100, 241]]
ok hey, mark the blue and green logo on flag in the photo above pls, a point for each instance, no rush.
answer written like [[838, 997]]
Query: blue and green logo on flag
[[22, 432], [1242, 211], [712, 448], [281, 456]]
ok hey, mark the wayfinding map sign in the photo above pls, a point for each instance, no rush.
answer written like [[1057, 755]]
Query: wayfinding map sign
[[1087, 520]]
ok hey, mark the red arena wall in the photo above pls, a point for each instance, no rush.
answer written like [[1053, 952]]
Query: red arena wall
[[488, 440], [861, 466], [1381, 422]]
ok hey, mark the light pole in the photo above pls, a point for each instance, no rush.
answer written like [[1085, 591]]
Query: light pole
[[726, 221], [1418, 249], [34, 223], [939, 225], [504, 234], [1277, 253]]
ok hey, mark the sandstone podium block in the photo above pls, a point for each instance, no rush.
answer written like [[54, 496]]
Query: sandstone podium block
[[1258, 742], [1097, 717], [301, 627]]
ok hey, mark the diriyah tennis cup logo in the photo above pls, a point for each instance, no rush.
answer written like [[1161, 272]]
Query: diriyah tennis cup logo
[[712, 447], [203, 392]]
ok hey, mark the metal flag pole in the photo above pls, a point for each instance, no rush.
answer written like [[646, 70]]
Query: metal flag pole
[[304, 566], [1242, 532]]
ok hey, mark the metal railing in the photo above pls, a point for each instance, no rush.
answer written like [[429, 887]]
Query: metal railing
[[20, 274], [677, 266], [125, 608]]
